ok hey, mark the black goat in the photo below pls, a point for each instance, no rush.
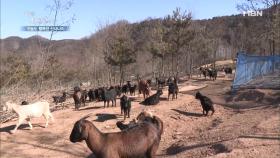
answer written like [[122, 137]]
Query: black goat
[[84, 96], [118, 90], [212, 73], [77, 88], [125, 106], [59, 99], [206, 103], [109, 95], [132, 89], [123, 126], [203, 71], [98, 93], [125, 89], [228, 70], [160, 82], [91, 95], [173, 89], [153, 99], [143, 117]]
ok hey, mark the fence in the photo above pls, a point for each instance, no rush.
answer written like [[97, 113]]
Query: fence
[[250, 67]]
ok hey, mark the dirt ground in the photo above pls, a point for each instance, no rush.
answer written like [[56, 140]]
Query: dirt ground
[[244, 125]]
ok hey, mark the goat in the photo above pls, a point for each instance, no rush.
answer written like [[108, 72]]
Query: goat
[[173, 89], [141, 141], [203, 71], [59, 99], [125, 106], [123, 126], [131, 88], [77, 99], [212, 73], [77, 88], [153, 99], [109, 95], [206, 103], [149, 81], [169, 80], [118, 90], [160, 82], [91, 95], [84, 96], [144, 88], [97, 93], [125, 89], [29, 111], [228, 70]]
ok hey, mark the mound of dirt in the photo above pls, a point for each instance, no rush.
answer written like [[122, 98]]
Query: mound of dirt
[[258, 96]]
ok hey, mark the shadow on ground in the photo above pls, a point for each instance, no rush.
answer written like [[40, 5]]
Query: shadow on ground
[[104, 117], [188, 113], [21, 127], [261, 137], [89, 108]]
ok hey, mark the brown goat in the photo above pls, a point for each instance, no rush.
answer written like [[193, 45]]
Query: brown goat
[[144, 88], [140, 141]]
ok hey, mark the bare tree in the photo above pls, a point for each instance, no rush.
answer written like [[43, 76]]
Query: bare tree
[[57, 10], [271, 12]]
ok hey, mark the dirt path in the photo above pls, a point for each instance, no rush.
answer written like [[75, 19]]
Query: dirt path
[[249, 132]]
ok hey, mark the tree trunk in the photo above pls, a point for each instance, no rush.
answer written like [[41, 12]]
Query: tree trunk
[[110, 75], [162, 65], [172, 63]]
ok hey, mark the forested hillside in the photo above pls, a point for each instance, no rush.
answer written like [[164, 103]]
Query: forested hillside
[[161, 47]]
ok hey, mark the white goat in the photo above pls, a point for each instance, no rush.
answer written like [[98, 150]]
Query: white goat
[[26, 112]]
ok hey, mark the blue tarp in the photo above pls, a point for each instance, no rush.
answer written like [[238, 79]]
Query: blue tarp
[[249, 67]]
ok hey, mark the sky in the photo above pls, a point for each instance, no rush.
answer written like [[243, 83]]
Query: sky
[[91, 15]]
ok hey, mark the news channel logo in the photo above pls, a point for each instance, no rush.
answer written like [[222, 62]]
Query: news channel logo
[[45, 28], [252, 13]]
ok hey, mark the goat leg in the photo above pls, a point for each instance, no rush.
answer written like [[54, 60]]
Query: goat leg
[[168, 95], [213, 111], [124, 114], [18, 124], [207, 112], [29, 123], [47, 120]]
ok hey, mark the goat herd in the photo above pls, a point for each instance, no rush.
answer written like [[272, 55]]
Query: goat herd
[[212, 72], [139, 138]]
